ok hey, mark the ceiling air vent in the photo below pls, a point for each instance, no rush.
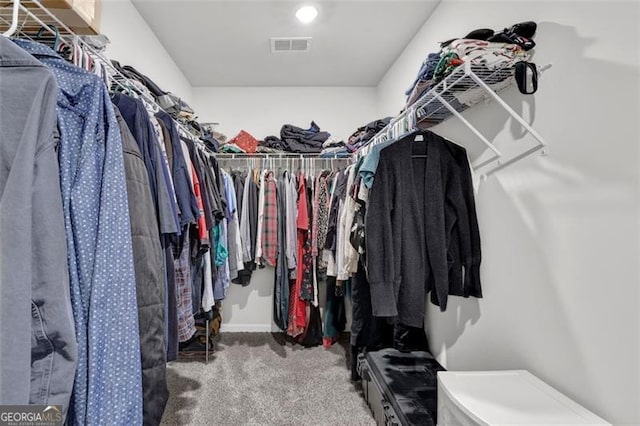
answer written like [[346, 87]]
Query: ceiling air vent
[[290, 44]]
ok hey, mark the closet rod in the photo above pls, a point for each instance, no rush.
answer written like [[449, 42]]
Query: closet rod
[[264, 155]]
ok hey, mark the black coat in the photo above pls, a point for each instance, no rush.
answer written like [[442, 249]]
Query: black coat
[[148, 265], [421, 228]]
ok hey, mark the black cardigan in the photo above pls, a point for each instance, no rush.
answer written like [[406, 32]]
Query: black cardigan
[[421, 229]]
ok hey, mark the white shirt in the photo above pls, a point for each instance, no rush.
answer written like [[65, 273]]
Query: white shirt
[[207, 293], [351, 254]]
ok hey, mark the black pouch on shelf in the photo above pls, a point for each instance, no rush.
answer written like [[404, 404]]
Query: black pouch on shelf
[[527, 77]]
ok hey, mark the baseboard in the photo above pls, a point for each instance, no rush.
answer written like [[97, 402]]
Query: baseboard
[[235, 328]]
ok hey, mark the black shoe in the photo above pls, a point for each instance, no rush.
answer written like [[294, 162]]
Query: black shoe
[[355, 377], [514, 35], [480, 34], [194, 345], [525, 29]]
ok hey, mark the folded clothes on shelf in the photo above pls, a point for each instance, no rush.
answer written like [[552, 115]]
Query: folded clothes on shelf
[[304, 141], [484, 49], [366, 132]]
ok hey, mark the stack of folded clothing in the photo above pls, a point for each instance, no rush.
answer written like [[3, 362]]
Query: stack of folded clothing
[[171, 103], [271, 144], [231, 148], [484, 48], [361, 136], [213, 139], [242, 143], [266, 150], [334, 147], [303, 141]]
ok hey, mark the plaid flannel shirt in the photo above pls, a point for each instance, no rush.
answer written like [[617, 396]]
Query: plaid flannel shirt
[[270, 221]]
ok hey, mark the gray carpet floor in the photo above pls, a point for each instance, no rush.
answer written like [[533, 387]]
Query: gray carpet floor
[[259, 379]]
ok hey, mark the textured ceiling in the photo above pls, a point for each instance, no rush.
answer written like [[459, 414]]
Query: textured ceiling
[[226, 43]]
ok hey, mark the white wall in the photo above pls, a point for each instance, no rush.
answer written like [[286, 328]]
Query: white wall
[[263, 110], [560, 233], [133, 43]]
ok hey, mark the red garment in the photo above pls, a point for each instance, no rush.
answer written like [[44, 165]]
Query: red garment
[[297, 306], [314, 220], [269, 237], [203, 235], [303, 206]]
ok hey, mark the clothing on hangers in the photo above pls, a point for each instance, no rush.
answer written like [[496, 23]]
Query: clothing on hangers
[[99, 236], [38, 349], [412, 238], [148, 267], [141, 200]]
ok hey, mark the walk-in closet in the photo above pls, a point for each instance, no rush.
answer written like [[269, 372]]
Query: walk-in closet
[[288, 212]]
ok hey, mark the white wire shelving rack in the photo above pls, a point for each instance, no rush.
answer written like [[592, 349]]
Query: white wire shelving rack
[[465, 87], [289, 161]]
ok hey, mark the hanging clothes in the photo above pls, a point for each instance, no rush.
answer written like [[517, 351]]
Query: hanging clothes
[[148, 266], [291, 218], [100, 255], [139, 123], [367, 331], [297, 306], [370, 163], [261, 189], [145, 130], [183, 278], [185, 198], [312, 335], [281, 278], [344, 250], [38, 350], [269, 238], [307, 290], [335, 318], [235, 242], [412, 239], [331, 239], [248, 228]]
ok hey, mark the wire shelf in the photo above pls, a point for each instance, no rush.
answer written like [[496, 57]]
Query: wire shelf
[[461, 91], [288, 155], [32, 17], [466, 86]]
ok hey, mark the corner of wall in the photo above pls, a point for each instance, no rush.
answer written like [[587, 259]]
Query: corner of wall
[[133, 42], [402, 71]]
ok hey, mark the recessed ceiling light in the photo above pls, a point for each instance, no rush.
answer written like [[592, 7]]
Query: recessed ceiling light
[[306, 14]]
